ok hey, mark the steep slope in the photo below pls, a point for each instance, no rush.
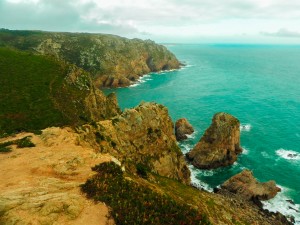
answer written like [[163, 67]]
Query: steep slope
[[113, 61], [142, 135], [41, 185], [38, 91]]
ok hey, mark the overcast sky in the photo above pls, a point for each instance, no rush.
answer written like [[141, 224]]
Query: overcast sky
[[198, 21]]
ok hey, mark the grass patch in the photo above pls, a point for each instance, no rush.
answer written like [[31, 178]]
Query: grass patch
[[21, 143], [133, 203], [25, 143], [5, 149]]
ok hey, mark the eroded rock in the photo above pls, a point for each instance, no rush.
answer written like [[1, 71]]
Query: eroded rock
[[220, 144], [245, 185], [143, 135], [182, 128]]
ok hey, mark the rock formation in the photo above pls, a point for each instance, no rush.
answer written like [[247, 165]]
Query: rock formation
[[143, 135], [182, 128], [245, 185], [220, 144], [113, 61]]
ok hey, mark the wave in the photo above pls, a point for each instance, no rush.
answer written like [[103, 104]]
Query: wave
[[192, 136], [185, 148], [266, 155], [245, 151], [141, 80], [245, 127], [283, 204], [288, 154], [196, 182]]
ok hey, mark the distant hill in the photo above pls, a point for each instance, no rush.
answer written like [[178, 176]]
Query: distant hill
[[113, 61], [40, 91]]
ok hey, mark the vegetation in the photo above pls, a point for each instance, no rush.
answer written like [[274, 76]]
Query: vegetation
[[134, 203], [112, 60], [21, 143], [39, 91], [26, 102], [24, 143]]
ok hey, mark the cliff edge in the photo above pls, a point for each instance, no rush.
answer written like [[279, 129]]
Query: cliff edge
[[113, 61]]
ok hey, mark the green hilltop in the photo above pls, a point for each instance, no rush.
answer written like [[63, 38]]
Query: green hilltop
[[40, 91], [113, 61]]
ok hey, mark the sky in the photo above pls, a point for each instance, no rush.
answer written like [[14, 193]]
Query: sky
[[165, 21]]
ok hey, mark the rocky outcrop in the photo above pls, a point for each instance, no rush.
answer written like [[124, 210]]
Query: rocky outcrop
[[245, 185], [220, 144], [113, 61], [140, 135], [182, 128]]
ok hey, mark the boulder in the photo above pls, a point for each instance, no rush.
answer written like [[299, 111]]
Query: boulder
[[245, 185], [182, 128], [220, 144]]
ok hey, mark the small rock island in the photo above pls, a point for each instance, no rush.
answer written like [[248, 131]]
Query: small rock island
[[220, 144]]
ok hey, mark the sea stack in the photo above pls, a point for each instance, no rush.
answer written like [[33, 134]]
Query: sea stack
[[182, 128], [245, 185], [220, 144]]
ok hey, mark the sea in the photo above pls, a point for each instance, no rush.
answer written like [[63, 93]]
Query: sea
[[258, 84]]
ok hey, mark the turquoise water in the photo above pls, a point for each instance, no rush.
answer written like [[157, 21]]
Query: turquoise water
[[260, 85]]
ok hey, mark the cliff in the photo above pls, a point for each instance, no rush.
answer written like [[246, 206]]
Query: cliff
[[220, 144], [142, 135], [139, 173], [39, 91], [113, 61], [44, 184]]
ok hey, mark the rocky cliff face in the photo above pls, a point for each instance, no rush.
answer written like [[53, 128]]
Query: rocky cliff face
[[140, 135], [113, 61], [245, 185], [41, 185], [220, 144]]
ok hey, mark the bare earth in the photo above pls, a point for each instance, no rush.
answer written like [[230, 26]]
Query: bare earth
[[40, 185]]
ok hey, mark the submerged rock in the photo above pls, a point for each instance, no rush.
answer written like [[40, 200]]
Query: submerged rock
[[182, 128], [245, 185], [220, 144]]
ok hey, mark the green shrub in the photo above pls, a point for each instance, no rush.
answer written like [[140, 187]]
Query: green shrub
[[132, 203], [141, 170], [5, 149], [25, 143]]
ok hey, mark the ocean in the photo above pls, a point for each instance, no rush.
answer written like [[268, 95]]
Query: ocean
[[258, 84]]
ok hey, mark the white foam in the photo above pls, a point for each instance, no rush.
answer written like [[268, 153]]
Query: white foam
[[288, 154], [265, 155], [196, 182], [141, 80], [192, 136], [245, 151], [185, 148], [245, 127], [280, 204]]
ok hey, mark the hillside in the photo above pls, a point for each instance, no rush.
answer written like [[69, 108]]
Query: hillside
[[113, 61], [139, 175], [39, 91], [44, 184]]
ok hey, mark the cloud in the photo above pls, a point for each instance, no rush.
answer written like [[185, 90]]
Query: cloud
[[282, 33], [142, 18]]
